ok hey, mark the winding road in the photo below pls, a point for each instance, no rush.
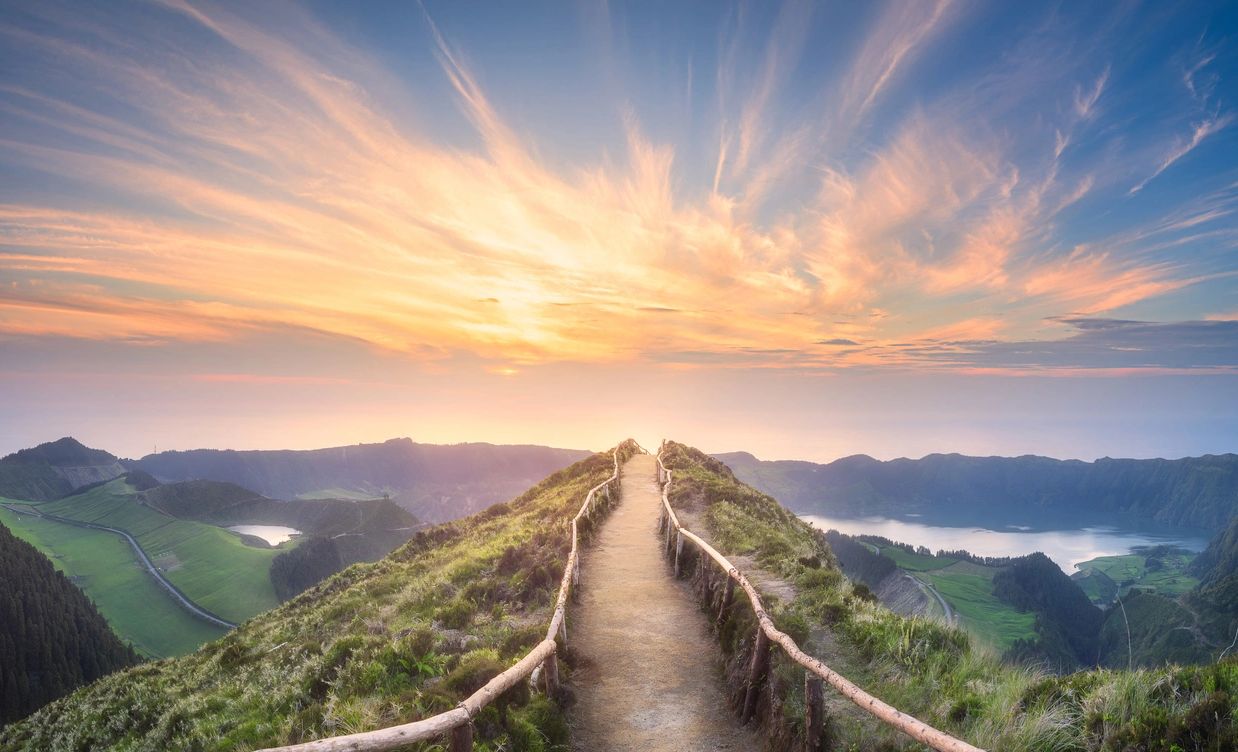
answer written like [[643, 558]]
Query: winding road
[[951, 617], [180, 597]]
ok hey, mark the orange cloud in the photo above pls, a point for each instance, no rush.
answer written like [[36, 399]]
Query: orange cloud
[[279, 193]]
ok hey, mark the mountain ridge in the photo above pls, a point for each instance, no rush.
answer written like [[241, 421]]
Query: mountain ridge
[[1197, 492]]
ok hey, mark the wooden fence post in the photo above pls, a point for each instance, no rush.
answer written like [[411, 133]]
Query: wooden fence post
[[702, 573], [462, 738], [814, 711], [727, 597], [756, 674], [551, 669], [576, 582], [678, 551]]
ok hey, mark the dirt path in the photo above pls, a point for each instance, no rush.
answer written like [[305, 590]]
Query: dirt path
[[647, 673]]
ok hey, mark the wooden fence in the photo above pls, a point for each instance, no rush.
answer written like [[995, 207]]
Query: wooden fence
[[542, 660], [816, 671]]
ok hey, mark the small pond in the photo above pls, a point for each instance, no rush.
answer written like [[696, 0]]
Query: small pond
[[272, 534]]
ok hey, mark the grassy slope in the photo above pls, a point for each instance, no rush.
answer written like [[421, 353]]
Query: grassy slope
[[106, 569], [1131, 570], [916, 562], [937, 673], [984, 615], [212, 566], [968, 588], [375, 645]]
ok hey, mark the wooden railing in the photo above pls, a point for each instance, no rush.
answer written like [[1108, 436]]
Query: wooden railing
[[541, 660], [675, 535]]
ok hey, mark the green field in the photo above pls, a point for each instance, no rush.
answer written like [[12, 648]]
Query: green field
[[915, 562], [210, 565], [1136, 570], [104, 566], [971, 594]]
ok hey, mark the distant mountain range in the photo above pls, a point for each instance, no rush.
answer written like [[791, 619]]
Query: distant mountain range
[[1197, 492], [434, 482]]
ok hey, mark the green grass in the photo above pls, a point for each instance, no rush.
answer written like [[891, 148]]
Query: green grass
[[1096, 585], [1123, 569], [996, 623], [365, 649], [104, 566], [968, 588], [210, 565], [1133, 571], [916, 562], [937, 673]]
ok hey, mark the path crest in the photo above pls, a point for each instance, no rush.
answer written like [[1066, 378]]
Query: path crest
[[647, 673]]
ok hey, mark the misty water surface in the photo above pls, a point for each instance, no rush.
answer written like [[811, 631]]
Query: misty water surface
[[272, 534], [1064, 544]]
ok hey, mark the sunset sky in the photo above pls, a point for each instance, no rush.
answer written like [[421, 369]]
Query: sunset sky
[[805, 230]]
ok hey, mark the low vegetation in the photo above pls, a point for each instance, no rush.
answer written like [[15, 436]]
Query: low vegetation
[[937, 673], [375, 645]]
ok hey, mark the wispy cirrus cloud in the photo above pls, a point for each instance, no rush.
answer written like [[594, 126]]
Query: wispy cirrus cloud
[[271, 181]]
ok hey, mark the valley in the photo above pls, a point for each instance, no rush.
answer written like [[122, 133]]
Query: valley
[[213, 567], [408, 636], [106, 569], [171, 564]]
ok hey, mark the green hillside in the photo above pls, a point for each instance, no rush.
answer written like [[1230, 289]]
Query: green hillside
[[51, 470], [105, 567], [362, 530], [1161, 569], [375, 645], [937, 673], [211, 566]]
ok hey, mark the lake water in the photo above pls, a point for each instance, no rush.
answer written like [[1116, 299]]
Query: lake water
[[273, 534], [1066, 545]]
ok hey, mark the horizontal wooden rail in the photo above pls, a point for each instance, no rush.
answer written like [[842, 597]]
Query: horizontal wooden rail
[[913, 727], [459, 720]]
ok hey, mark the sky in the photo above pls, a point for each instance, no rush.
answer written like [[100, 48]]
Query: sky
[[805, 230]]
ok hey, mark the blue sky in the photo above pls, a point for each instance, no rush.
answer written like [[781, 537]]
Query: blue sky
[[811, 229]]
